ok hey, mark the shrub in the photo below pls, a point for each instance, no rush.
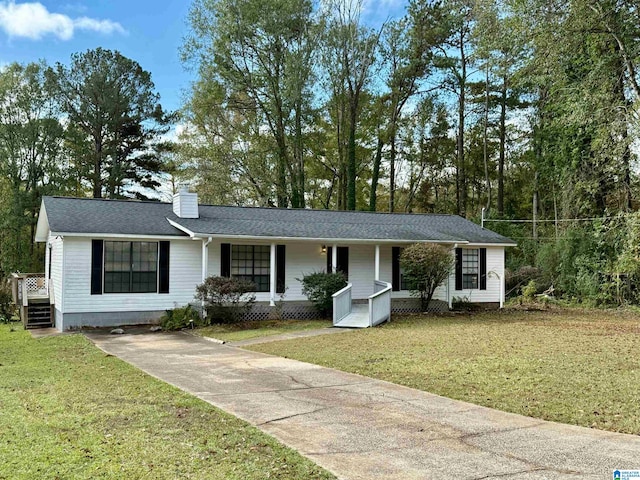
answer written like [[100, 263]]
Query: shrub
[[226, 299], [529, 291], [180, 317], [426, 266], [320, 286], [7, 308]]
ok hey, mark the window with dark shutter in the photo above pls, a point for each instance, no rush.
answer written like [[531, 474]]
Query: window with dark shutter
[[395, 268], [225, 260], [483, 269], [97, 249], [458, 269], [280, 268], [163, 267]]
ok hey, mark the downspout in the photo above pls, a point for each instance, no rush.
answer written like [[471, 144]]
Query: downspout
[[205, 265]]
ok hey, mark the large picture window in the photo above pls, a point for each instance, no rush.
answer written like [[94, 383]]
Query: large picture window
[[130, 267], [470, 267], [252, 263]]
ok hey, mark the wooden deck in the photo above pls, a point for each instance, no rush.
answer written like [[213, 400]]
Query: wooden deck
[[33, 295]]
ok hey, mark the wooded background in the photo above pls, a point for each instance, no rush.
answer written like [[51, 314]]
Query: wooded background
[[526, 108]]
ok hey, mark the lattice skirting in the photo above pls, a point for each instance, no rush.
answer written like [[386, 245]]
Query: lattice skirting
[[286, 310], [305, 311], [412, 305]]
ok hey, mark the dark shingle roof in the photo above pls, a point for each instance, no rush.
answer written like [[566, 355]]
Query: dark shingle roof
[[139, 218], [88, 215]]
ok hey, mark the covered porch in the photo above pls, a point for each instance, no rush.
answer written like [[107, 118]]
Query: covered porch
[[366, 300]]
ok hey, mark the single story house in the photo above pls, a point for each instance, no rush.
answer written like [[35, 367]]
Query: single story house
[[116, 262]]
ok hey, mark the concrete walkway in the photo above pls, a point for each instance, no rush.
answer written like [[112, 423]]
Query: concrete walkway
[[360, 428]]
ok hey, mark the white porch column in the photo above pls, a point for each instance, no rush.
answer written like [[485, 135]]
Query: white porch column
[[334, 258], [377, 263], [205, 258], [272, 276]]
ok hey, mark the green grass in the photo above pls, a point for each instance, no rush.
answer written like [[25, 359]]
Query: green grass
[[572, 366], [69, 411], [246, 330]]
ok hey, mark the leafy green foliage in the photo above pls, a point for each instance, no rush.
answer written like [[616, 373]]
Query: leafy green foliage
[[226, 299], [320, 286], [181, 317], [426, 266], [115, 120], [529, 291], [7, 308]]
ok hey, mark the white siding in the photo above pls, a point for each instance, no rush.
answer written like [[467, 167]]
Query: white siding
[[73, 265], [495, 264], [185, 267], [57, 262]]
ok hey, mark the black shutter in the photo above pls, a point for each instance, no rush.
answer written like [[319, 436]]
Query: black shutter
[[458, 269], [163, 267], [329, 256], [483, 269], [280, 268], [97, 249], [225, 260], [395, 269], [343, 261]]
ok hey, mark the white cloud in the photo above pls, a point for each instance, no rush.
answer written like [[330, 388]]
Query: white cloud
[[32, 20], [102, 26]]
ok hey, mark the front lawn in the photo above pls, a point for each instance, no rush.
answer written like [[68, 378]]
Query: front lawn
[[67, 410], [246, 330], [572, 366]]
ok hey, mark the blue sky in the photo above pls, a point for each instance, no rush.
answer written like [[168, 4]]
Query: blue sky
[[147, 31]]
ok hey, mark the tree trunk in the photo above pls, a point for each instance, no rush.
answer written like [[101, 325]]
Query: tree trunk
[[392, 169], [375, 175], [485, 139], [502, 134], [351, 157], [462, 179]]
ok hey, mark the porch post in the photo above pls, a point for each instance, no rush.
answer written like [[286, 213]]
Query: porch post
[[205, 258], [334, 258], [377, 263], [272, 276]]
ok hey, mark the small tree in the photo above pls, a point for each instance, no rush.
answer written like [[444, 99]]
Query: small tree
[[320, 286], [426, 266], [226, 299]]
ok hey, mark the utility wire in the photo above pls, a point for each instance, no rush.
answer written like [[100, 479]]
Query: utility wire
[[553, 221]]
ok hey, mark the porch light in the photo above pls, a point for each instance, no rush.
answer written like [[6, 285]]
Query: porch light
[[324, 248]]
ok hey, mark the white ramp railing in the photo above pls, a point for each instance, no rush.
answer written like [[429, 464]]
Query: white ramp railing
[[341, 303], [380, 303]]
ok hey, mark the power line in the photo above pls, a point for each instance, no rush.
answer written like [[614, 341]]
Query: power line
[[551, 221]]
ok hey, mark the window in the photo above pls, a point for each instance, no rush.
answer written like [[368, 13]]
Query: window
[[130, 267], [470, 267], [252, 263], [404, 284]]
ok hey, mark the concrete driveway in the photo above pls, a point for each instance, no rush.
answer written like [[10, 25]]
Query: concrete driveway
[[360, 428]]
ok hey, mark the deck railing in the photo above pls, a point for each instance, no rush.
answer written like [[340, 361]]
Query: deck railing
[[341, 303], [380, 303], [28, 285]]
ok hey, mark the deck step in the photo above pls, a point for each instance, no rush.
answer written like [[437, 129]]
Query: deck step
[[39, 315]]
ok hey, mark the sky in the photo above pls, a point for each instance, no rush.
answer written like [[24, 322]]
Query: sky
[[147, 31]]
